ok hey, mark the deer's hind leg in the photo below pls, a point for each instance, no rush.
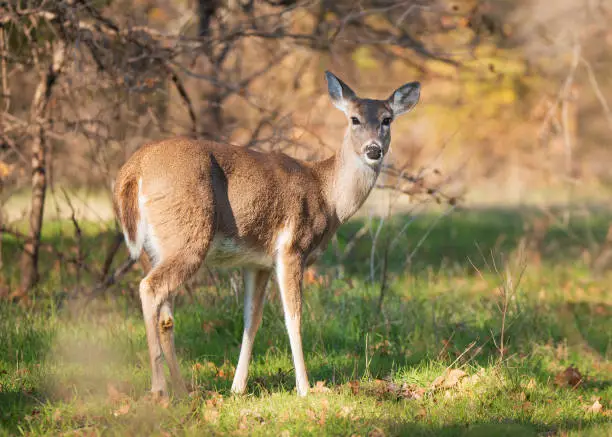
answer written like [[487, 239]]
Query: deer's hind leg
[[163, 279], [179, 234]]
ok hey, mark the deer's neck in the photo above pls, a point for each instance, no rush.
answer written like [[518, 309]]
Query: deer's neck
[[347, 182]]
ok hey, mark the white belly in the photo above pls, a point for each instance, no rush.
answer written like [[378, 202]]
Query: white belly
[[227, 252]]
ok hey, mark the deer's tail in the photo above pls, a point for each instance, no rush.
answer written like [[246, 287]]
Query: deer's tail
[[127, 208]]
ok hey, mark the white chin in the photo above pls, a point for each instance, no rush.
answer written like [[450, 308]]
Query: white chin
[[373, 162]]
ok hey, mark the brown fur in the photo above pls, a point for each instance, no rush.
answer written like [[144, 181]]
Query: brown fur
[[275, 210], [127, 198]]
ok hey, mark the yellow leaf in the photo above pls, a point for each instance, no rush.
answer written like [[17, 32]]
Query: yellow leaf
[[124, 409]]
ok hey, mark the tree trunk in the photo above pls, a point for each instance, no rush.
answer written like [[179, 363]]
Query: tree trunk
[[38, 117]]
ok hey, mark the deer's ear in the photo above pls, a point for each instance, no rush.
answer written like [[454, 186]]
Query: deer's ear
[[339, 92], [405, 98]]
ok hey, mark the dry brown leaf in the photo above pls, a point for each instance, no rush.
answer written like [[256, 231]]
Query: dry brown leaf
[[208, 326], [312, 415], [345, 411], [596, 407], [376, 432], [354, 386], [211, 415], [114, 394], [163, 401], [322, 417], [381, 387], [123, 410], [319, 387], [450, 379], [409, 391], [242, 422], [570, 377], [310, 276], [215, 401], [283, 417], [285, 433]]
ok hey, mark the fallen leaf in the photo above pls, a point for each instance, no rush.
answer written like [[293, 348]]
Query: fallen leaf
[[164, 402], [409, 391], [323, 416], [376, 432], [214, 402], [312, 415], [283, 417], [242, 422], [211, 415], [381, 387], [320, 387], [208, 326], [345, 411], [569, 377], [450, 379], [596, 407], [124, 409], [310, 276], [114, 394], [354, 386]]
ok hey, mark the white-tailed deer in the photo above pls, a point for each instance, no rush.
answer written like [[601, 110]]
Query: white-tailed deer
[[185, 202]]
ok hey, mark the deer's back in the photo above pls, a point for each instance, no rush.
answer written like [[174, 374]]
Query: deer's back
[[255, 195]]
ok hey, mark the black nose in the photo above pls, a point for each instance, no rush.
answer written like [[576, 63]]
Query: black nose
[[373, 151]]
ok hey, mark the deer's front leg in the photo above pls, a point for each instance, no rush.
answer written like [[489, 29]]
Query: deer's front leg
[[254, 292], [289, 270]]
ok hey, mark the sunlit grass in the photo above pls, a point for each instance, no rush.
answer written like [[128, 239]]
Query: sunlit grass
[[68, 370]]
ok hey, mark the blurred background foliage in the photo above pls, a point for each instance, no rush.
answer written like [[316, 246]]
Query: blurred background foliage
[[514, 106]]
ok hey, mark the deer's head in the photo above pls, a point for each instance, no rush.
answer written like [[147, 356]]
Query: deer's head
[[369, 121]]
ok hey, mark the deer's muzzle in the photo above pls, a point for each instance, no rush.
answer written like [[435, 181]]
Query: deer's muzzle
[[373, 151]]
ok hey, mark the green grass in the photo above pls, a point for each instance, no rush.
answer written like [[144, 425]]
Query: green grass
[[65, 370]]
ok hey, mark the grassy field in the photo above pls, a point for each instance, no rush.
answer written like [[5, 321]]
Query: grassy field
[[499, 324]]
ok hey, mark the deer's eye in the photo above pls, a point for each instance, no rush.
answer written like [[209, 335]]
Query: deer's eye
[[386, 121], [355, 121]]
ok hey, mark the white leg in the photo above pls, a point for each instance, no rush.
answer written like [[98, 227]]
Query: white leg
[[150, 310], [166, 334], [254, 293], [289, 276]]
